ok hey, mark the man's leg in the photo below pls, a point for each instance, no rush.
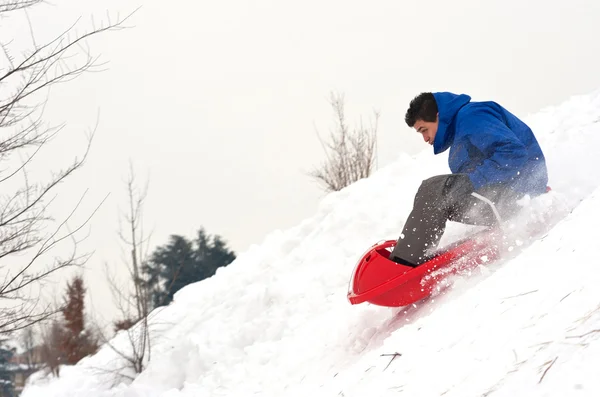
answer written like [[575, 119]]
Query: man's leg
[[440, 198]]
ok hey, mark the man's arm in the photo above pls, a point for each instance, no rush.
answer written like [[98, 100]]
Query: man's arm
[[504, 154]]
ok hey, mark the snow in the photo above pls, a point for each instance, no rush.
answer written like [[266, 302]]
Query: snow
[[276, 322]]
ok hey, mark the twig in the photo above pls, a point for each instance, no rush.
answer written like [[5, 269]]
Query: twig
[[541, 344], [565, 297], [547, 368], [524, 293], [587, 316], [394, 355], [586, 334]]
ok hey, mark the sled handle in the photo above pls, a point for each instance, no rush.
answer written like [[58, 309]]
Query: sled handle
[[488, 201]]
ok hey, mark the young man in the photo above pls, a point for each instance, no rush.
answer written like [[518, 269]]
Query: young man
[[493, 156]]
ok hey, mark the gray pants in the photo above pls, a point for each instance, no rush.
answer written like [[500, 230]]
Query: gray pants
[[442, 198]]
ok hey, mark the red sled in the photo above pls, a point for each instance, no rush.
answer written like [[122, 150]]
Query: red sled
[[380, 281]]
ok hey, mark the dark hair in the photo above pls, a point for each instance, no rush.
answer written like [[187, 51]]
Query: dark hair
[[422, 107]]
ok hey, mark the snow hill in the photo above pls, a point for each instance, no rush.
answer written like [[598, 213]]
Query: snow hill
[[276, 322]]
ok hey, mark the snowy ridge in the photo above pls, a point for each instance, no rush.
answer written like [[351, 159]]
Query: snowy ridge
[[276, 322]]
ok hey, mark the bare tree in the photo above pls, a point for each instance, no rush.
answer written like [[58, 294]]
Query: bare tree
[[14, 5], [28, 233], [133, 303], [51, 352], [28, 344], [350, 153]]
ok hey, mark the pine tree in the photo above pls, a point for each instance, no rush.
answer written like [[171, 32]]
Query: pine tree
[[181, 262], [6, 382], [76, 342]]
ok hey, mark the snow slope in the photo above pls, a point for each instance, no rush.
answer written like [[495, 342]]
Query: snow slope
[[276, 322]]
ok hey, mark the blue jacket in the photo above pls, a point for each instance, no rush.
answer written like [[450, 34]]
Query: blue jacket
[[489, 144]]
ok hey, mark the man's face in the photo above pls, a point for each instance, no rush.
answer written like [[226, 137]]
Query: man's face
[[427, 129]]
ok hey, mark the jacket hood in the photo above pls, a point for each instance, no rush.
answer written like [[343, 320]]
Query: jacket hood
[[448, 106]]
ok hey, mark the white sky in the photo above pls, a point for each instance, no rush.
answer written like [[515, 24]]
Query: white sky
[[218, 101]]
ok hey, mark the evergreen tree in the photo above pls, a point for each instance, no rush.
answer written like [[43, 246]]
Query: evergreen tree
[[7, 386], [76, 341], [181, 262]]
